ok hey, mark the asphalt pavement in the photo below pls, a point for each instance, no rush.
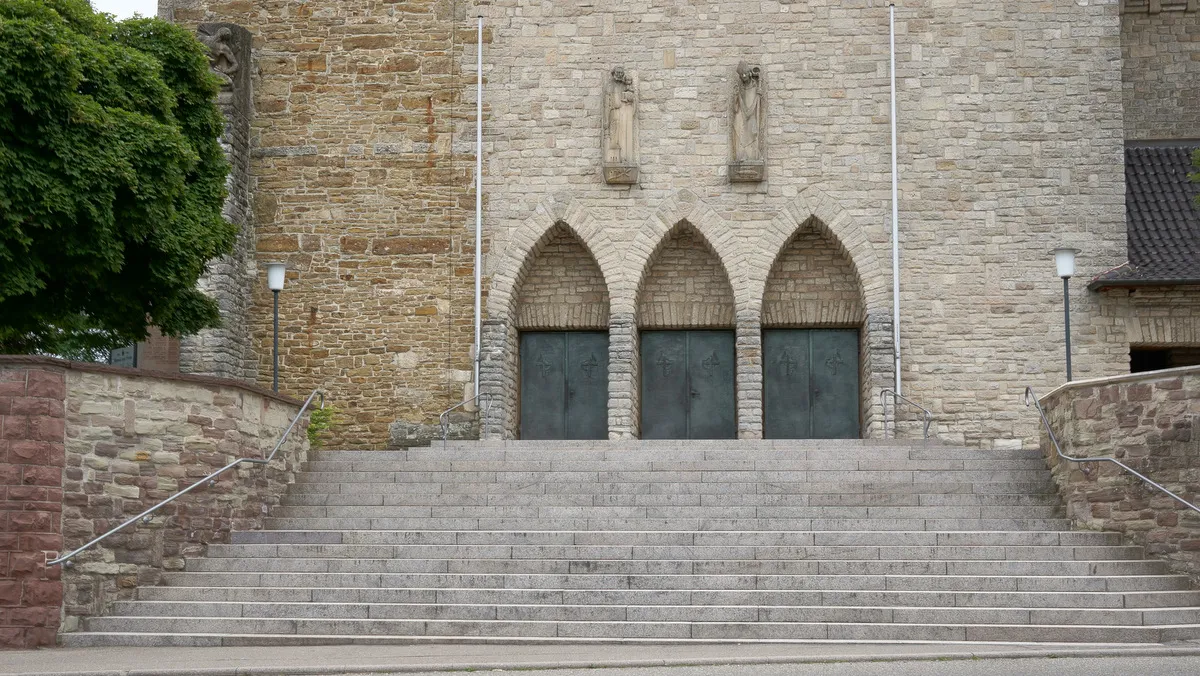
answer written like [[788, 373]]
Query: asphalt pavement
[[614, 660]]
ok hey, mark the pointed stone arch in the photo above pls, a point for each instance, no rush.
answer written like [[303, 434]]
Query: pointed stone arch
[[509, 266], [829, 219], [685, 263], [813, 208], [684, 208], [512, 262]]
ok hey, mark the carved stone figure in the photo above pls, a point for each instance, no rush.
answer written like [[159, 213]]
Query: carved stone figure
[[748, 120], [620, 128], [221, 55]]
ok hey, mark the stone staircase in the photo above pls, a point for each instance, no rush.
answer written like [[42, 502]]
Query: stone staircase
[[660, 542]]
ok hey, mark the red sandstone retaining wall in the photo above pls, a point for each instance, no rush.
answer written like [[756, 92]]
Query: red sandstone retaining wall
[[87, 446], [1151, 422], [32, 452]]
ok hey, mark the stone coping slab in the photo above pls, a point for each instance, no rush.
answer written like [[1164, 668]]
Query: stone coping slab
[[1123, 378], [452, 656], [87, 367]]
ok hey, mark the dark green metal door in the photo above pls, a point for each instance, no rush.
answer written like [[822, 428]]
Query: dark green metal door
[[810, 384], [564, 385], [688, 385]]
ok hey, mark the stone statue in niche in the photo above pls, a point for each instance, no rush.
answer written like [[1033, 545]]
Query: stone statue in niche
[[620, 128], [746, 136], [221, 57]]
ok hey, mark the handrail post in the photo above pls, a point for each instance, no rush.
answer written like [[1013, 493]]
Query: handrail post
[[896, 399], [485, 398]]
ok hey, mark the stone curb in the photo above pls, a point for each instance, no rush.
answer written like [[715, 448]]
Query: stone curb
[[1058, 653]]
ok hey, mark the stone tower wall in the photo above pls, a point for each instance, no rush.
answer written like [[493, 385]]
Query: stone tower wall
[[1161, 56]]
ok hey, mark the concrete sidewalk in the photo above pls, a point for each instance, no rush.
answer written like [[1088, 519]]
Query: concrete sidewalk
[[368, 659]]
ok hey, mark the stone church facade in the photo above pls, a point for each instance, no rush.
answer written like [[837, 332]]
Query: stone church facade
[[666, 278]]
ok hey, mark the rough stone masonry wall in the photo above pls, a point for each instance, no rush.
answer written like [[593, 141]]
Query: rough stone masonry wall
[[31, 478], [1011, 143], [85, 447], [1157, 316], [362, 158], [133, 440], [226, 352], [1161, 73], [1151, 422]]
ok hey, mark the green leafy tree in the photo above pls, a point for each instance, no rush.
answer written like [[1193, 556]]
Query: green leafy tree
[[111, 178]]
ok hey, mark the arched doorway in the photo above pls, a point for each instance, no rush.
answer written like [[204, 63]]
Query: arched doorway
[[561, 318], [685, 319], [812, 341]]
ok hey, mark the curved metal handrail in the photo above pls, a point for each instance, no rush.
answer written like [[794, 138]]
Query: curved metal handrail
[[209, 481], [444, 418], [897, 398], [1031, 399]]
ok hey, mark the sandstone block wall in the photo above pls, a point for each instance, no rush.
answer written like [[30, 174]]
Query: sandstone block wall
[[85, 447], [362, 163], [1161, 74], [31, 478], [1156, 316], [1011, 134], [1151, 422], [134, 440], [1011, 143]]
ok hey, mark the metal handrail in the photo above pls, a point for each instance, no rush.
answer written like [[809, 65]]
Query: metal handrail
[[1031, 399], [896, 397], [209, 480], [444, 418]]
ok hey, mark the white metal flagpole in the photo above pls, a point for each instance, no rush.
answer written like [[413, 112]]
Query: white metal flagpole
[[478, 200], [895, 210]]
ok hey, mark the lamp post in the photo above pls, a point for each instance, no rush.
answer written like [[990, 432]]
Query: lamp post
[[1064, 260], [275, 276]]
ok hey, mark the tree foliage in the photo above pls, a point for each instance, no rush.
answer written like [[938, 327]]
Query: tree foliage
[[111, 178]]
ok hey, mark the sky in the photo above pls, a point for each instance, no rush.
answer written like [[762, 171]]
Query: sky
[[124, 9]]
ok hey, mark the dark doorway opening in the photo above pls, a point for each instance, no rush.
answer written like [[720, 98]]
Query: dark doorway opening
[[688, 385], [564, 385], [811, 384], [1142, 359]]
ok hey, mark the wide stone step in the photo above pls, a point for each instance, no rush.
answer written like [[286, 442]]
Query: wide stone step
[[665, 512], [830, 463], [672, 499], [777, 487], [1002, 599], [677, 476], [991, 578], [664, 613], [685, 553], [660, 566], [724, 631], [680, 538], [706, 524]]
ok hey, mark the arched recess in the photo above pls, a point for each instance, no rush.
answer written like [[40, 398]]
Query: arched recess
[[563, 287], [521, 272], [812, 284], [685, 285], [684, 207], [817, 245]]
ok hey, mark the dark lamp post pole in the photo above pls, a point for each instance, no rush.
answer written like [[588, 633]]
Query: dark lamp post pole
[[1064, 260], [276, 273]]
